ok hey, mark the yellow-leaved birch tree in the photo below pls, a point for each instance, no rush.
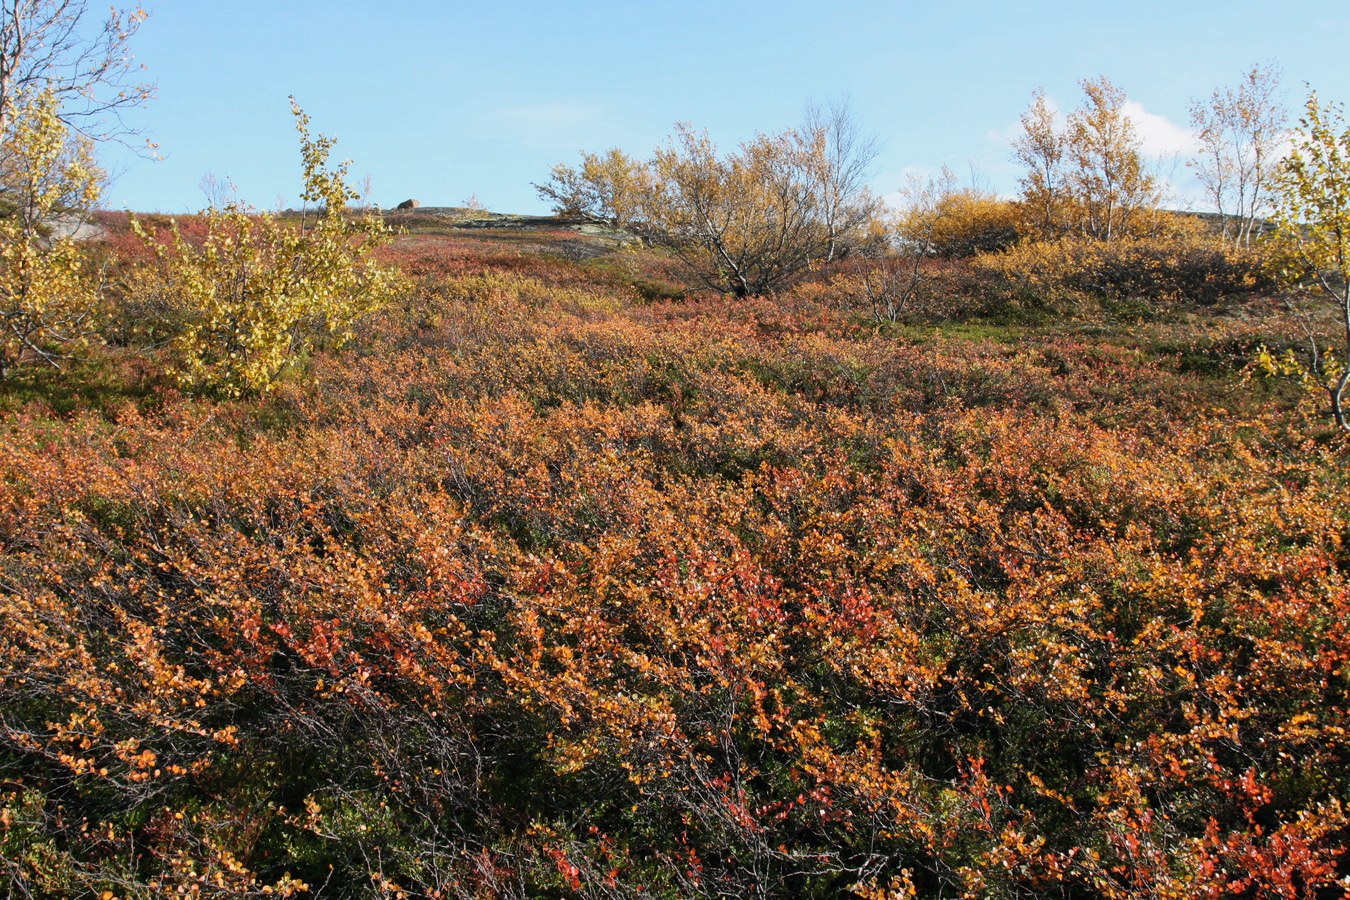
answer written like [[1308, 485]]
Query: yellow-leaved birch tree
[[1313, 218]]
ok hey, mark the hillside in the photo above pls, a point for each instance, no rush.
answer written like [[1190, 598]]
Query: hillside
[[565, 578]]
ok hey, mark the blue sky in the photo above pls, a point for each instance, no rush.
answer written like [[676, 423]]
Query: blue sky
[[441, 100]]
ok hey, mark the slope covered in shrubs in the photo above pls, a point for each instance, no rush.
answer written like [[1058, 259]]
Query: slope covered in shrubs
[[540, 588]]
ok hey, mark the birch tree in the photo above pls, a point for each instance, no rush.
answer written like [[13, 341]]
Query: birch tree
[[1107, 176], [1087, 177], [1242, 132], [1040, 149], [1313, 217], [60, 48]]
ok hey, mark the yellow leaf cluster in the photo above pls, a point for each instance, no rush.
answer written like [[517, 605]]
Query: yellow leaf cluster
[[47, 295], [259, 291]]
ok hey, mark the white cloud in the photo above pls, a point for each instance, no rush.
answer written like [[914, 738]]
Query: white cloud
[[1165, 144], [1159, 135]]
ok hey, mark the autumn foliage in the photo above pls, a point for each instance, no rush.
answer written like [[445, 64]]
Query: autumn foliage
[[745, 221], [49, 298], [254, 293], [537, 590], [362, 564], [1069, 272]]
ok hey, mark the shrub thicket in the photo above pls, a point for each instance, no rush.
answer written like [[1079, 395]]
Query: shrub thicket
[[1074, 272], [960, 223], [536, 592]]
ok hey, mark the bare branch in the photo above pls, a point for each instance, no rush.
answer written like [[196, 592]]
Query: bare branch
[[56, 46]]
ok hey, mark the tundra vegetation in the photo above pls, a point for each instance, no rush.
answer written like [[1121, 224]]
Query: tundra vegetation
[[982, 556]]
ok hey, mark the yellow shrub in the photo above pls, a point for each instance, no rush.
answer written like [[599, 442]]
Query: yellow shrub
[[258, 292], [47, 295], [1167, 223], [960, 224], [1165, 269]]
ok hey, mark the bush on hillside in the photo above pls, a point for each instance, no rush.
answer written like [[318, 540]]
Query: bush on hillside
[[256, 293], [900, 289], [48, 295], [1071, 271], [961, 224]]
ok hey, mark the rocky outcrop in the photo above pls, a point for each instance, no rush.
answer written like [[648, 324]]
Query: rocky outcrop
[[75, 227], [409, 204]]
